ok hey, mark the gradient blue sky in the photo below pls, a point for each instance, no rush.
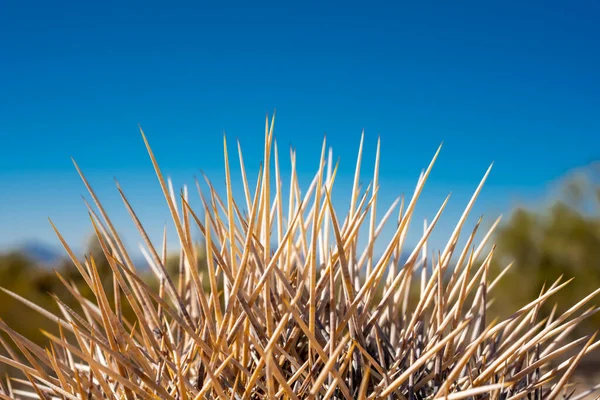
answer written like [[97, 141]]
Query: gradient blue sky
[[512, 82]]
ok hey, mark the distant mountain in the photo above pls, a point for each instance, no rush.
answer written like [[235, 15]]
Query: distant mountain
[[41, 253]]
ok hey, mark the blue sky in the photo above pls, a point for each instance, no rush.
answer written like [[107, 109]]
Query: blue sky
[[512, 82]]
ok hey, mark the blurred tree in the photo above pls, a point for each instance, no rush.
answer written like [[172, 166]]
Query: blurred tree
[[21, 275], [563, 238]]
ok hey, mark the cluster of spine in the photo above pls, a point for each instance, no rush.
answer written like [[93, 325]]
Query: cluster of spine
[[289, 306]]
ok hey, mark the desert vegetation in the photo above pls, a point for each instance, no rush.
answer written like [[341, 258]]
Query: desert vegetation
[[280, 301]]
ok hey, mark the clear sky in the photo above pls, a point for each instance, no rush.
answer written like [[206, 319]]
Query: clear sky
[[517, 83]]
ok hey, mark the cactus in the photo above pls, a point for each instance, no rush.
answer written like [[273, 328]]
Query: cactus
[[289, 306]]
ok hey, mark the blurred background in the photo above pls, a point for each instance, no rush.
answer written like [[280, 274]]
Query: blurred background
[[514, 83]]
